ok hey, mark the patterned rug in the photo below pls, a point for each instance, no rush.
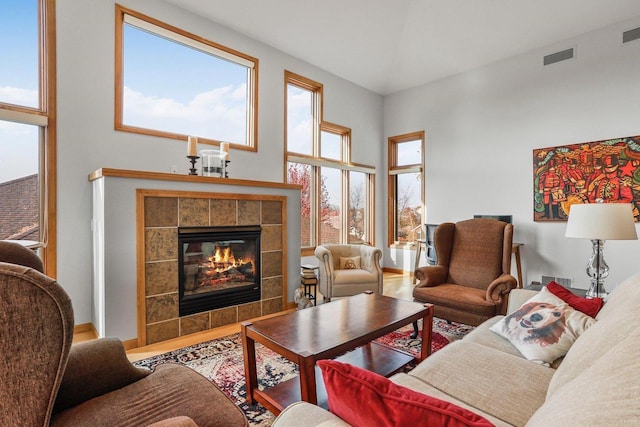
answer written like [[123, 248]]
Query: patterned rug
[[221, 361]]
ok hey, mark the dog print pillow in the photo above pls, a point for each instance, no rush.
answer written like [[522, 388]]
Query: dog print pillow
[[544, 328]]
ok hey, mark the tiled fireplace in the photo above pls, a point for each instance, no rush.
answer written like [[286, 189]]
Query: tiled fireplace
[[166, 216]]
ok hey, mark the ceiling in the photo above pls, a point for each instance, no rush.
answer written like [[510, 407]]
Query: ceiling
[[390, 45]]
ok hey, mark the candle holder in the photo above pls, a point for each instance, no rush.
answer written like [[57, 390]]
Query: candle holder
[[226, 168], [193, 160]]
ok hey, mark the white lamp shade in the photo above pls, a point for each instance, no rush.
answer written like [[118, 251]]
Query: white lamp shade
[[604, 221]]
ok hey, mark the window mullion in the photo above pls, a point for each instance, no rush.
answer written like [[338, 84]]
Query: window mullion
[[316, 214], [344, 206], [23, 116], [370, 202], [317, 120]]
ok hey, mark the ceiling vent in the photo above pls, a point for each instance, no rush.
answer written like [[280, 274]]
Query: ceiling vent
[[631, 35], [563, 55]]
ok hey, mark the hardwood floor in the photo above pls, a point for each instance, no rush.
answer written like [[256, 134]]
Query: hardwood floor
[[394, 285]]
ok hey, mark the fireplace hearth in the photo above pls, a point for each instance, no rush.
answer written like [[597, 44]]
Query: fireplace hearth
[[218, 267]]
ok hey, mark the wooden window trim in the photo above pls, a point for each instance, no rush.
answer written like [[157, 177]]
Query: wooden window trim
[[395, 170], [252, 105], [49, 157], [45, 118], [317, 162], [345, 136]]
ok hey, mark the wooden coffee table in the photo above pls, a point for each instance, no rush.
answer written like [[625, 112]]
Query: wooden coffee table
[[343, 329]]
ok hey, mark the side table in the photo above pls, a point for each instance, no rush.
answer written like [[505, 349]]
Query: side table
[[309, 279], [515, 250]]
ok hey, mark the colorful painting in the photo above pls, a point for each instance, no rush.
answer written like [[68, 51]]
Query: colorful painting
[[583, 173]]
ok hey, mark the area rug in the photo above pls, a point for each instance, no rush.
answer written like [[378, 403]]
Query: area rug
[[221, 361]]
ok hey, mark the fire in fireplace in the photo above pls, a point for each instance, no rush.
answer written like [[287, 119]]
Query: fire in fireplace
[[218, 267]]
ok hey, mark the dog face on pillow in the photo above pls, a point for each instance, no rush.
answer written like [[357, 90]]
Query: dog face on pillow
[[539, 322]]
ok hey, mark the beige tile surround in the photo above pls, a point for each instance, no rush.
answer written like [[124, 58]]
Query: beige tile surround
[[160, 213]]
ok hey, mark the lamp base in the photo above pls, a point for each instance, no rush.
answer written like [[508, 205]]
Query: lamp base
[[597, 290]]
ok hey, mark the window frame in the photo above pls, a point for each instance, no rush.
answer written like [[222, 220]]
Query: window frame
[[394, 171], [165, 30], [45, 118], [316, 162]]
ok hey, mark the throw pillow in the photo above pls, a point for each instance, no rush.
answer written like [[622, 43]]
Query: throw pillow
[[349, 263], [543, 328], [589, 306], [364, 398]]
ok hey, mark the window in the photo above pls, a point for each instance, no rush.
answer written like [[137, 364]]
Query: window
[[337, 195], [406, 196], [171, 83], [27, 127]]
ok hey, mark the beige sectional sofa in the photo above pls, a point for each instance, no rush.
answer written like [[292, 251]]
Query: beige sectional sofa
[[597, 383]]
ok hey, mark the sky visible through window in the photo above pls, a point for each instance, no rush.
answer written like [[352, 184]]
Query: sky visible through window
[[18, 86], [410, 153], [299, 120], [176, 88]]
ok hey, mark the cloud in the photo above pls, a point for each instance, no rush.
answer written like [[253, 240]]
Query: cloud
[[298, 98], [19, 96], [12, 128], [218, 114], [299, 135]]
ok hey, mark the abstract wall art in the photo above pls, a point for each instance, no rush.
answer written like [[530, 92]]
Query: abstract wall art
[[583, 173]]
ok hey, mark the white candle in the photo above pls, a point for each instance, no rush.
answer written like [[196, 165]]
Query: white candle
[[192, 146], [224, 147]]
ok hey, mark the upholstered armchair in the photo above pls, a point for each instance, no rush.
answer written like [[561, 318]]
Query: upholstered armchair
[[346, 270], [48, 381], [472, 280]]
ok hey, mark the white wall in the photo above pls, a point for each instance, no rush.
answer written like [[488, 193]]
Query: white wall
[[482, 126], [87, 140]]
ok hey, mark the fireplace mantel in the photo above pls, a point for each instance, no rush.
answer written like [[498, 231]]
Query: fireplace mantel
[[160, 176], [117, 263]]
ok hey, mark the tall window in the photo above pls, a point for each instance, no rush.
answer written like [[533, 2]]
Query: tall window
[[172, 83], [406, 195], [27, 125], [337, 194]]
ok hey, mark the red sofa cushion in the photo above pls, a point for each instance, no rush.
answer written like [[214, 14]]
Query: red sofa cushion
[[589, 306], [364, 398]]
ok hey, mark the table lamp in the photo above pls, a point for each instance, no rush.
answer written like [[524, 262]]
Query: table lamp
[[600, 222]]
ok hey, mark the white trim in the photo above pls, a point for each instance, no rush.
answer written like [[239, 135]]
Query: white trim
[[411, 169], [171, 35], [336, 165], [22, 117]]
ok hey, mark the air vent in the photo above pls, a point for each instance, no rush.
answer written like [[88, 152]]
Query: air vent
[[567, 282], [631, 35], [563, 55]]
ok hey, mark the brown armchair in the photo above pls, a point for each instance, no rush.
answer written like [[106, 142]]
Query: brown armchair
[[472, 280], [47, 381]]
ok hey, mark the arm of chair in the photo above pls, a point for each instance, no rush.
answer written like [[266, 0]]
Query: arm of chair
[[499, 288], [430, 275], [306, 414], [325, 270], [95, 368], [370, 258]]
